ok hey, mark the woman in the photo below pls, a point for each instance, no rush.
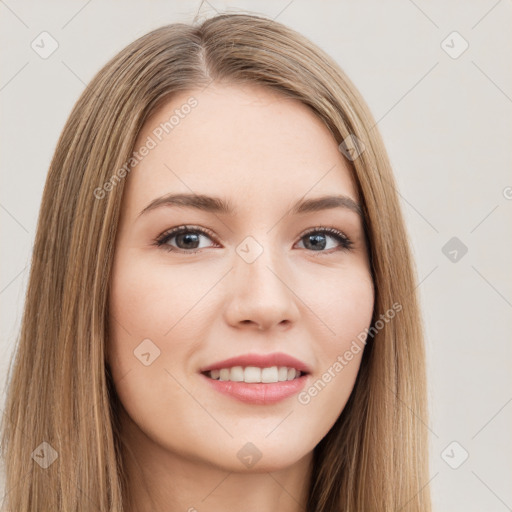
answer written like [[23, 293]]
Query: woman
[[221, 311]]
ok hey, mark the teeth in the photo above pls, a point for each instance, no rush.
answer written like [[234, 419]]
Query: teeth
[[269, 374], [282, 373], [253, 374], [236, 374]]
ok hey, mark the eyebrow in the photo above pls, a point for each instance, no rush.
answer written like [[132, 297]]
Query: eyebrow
[[221, 206]]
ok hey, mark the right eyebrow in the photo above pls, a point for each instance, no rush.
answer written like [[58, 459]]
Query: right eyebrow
[[197, 201]]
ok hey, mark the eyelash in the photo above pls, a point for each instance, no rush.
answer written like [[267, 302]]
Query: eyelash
[[161, 241]]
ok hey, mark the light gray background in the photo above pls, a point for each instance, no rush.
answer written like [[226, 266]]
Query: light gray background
[[446, 123]]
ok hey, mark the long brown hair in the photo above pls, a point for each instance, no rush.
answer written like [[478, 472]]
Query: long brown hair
[[60, 390]]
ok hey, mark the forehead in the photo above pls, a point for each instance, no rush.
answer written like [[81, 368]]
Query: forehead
[[248, 141]]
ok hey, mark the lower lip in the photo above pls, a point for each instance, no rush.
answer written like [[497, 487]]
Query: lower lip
[[258, 393]]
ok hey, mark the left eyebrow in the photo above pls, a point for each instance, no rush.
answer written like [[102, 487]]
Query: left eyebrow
[[326, 203], [219, 205]]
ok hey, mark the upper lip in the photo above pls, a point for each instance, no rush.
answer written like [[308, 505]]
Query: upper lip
[[260, 361]]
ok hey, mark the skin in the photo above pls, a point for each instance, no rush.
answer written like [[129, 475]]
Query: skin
[[262, 152]]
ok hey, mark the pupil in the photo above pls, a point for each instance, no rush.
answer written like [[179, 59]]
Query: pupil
[[318, 241], [188, 237]]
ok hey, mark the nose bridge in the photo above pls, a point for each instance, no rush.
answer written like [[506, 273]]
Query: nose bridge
[[260, 292], [258, 262]]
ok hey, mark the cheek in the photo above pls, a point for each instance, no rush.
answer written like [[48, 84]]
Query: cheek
[[152, 333], [342, 302], [351, 307], [344, 306], [155, 309], [150, 298]]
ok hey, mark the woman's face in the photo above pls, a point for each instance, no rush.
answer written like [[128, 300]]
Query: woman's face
[[252, 275]]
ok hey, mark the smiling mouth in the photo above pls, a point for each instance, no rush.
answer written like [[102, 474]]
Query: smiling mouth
[[255, 374]]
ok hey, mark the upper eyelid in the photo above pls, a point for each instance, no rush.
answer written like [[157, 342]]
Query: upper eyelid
[[177, 229]]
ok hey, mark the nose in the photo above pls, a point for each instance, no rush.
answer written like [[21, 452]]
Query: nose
[[260, 294]]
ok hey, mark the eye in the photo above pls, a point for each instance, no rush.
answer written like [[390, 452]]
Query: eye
[[187, 237], [316, 239]]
